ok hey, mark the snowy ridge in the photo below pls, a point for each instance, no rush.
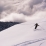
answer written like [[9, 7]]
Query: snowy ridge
[[24, 34]]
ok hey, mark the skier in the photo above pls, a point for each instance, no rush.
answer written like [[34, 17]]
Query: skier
[[36, 25]]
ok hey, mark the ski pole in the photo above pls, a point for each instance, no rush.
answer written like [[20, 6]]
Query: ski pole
[[42, 28]]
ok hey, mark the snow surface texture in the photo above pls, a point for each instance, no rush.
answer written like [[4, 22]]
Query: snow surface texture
[[21, 10], [24, 34]]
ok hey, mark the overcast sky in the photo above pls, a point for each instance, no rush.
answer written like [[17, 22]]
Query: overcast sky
[[21, 10]]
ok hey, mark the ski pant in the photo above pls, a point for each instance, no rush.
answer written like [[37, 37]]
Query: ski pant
[[35, 27]]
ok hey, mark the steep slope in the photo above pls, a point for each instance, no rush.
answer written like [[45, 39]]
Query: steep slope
[[24, 34]]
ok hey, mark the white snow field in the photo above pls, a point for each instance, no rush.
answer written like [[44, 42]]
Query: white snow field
[[24, 34], [21, 11]]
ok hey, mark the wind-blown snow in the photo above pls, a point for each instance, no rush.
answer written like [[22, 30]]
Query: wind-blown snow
[[24, 34], [28, 8]]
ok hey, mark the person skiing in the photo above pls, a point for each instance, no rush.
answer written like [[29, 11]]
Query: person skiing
[[36, 25]]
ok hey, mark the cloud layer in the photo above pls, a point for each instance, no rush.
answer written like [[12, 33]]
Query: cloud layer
[[21, 10]]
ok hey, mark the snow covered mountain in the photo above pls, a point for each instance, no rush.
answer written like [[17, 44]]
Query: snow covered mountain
[[5, 25], [24, 34]]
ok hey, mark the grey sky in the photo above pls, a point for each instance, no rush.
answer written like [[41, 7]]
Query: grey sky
[[26, 7]]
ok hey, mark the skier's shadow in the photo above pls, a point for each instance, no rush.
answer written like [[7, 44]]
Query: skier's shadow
[[38, 29]]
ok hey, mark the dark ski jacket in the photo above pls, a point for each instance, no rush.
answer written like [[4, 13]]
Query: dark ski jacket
[[36, 25]]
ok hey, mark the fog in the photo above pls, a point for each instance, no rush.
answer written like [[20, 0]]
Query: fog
[[22, 10]]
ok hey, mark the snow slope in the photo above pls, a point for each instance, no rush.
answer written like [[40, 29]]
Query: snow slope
[[24, 34]]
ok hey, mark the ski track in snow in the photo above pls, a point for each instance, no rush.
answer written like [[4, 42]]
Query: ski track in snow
[[31, 42], [41, 43]]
